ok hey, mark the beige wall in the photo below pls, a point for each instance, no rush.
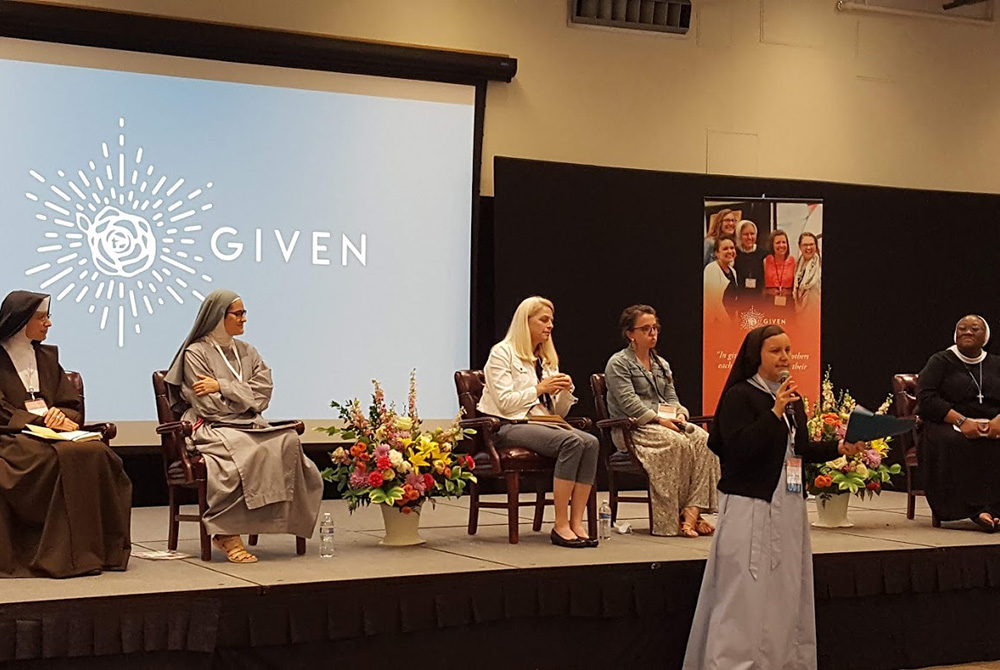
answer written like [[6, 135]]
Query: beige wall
[[779, 88]]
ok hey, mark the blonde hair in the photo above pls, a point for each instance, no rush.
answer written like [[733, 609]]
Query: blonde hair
[[519, 335], [715, 222]]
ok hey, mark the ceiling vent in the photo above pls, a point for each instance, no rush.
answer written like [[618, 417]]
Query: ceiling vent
[[665, 16]]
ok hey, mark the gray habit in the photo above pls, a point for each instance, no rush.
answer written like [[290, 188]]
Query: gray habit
[[259, 481], [755, 610]]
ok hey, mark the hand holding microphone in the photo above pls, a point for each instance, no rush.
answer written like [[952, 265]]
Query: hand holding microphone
[[678, 424], [787, 394]]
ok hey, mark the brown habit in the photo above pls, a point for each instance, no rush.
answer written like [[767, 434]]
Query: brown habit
[[65, 507]]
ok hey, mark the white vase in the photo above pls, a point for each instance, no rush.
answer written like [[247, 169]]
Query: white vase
[[832, 511], [401, 530]]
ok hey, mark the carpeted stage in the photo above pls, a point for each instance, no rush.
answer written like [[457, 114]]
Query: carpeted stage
[[891, 593]]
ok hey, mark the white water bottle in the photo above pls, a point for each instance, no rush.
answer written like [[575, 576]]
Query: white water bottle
[[604, 521], [326, 536]]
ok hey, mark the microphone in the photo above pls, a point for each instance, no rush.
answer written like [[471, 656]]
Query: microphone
[[789, 410], [685, 426]]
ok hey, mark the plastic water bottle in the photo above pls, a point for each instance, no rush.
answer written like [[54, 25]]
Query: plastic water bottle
[[326, 536], [604, 521]]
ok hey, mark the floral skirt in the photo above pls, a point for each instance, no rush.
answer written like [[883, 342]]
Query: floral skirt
[[682, 472]]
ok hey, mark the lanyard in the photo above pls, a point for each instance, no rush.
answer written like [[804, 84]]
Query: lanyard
[[759, 383], [781, 272], [651, 378], [239, 363]]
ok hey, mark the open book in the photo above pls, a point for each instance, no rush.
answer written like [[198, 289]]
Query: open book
[[70, 435]]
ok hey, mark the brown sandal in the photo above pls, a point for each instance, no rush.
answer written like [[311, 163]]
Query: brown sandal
[[687, 529], [233, 547], [703, 527]]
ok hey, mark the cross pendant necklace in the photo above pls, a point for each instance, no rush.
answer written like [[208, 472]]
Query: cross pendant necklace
[[979, 384]]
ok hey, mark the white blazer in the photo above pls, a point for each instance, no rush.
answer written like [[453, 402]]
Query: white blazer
[[509, 392], [715, 286]]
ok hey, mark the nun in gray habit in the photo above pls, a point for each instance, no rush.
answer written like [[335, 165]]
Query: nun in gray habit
[[259, 481], [756, 607]]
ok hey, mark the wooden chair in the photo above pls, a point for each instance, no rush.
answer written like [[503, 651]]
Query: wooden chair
[[508, 463], [623, 462], [108, 431], [904, 404], [185, 470]]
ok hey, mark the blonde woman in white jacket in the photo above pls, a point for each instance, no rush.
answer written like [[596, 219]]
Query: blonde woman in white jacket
[[522, 381]]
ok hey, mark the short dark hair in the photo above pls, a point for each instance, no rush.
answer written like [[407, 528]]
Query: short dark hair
[[722, 238], [776, 233]]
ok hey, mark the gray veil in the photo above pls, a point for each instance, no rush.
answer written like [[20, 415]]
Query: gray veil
[[213, 310]]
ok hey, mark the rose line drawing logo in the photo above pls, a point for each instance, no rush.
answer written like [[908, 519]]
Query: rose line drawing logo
[[133, 243], [120, 244]]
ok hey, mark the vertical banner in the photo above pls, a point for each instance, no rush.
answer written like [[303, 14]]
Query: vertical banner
[[762, 264]]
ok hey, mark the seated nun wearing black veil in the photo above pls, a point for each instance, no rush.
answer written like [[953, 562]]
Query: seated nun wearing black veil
[[756, 605], [65, 507], [259, 481], [958, 396]]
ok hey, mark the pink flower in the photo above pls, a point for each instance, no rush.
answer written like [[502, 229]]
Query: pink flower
[[383, 462], [871, 458], [382, 450], [359, 479]]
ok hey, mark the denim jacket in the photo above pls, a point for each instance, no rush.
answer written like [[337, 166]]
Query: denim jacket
[[631, 393]]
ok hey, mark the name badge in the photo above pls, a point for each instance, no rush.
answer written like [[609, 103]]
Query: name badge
[[793, 475], [779, 301], [36, 406], [666, 411], [750, 282]]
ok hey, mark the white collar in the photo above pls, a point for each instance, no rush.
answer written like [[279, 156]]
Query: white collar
[[966, 359]]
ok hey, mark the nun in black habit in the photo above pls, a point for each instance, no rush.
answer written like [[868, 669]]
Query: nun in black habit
[[756, 606], [65, 507]]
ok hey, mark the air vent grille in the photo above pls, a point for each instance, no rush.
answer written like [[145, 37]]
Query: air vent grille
[[667, 16]]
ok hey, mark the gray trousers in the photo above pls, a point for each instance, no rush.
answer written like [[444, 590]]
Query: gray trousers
[[575, 451]]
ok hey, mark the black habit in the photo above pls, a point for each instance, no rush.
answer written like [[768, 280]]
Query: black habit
[[962, 476]]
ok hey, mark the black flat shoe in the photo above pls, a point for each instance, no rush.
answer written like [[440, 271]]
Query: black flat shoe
[[560, 541], [590, 541], [984, 525]]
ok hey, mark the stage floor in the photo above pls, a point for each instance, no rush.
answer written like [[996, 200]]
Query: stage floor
[[880, 525]]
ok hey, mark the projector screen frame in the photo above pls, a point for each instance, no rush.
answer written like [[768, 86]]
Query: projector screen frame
[[143, 33]]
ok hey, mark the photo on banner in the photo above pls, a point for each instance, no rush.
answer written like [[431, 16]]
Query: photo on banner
[[762, 264]]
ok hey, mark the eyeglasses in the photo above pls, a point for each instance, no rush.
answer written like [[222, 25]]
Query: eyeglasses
[[239, 314], [646, 330]]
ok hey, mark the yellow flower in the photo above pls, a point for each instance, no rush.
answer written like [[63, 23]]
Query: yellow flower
[[406, 442], [404, 423], [861, 470], [439, 466], [418, 460], [389, 474], [839, 464]]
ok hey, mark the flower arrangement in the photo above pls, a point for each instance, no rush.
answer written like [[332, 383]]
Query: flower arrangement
[[393, 461], [862, 474]]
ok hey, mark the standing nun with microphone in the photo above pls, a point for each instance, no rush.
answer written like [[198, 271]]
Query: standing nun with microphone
[[756, 607]]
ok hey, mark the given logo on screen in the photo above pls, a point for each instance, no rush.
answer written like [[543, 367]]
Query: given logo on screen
[[124, 238]]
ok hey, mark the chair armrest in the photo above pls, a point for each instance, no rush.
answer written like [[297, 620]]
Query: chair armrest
[[580, 423], [180, 428], [487, 426], [703, 421], [627, 423], [108, 431], [486, 423]]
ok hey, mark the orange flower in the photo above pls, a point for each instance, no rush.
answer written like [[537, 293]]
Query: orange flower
[[822, 481], [407, 510]]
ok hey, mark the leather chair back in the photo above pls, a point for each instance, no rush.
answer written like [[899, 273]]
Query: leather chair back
[[904, 394], [599, 387], [77, 381], [469, 385], [164, 413]]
